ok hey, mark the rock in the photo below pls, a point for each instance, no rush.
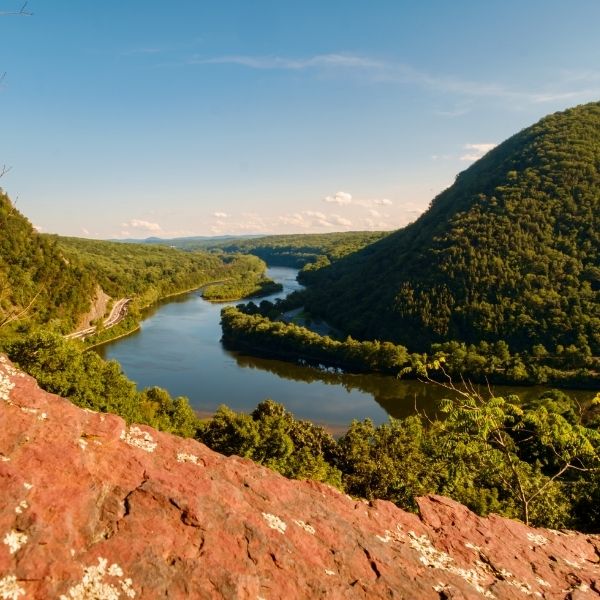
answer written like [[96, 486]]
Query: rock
[[92, 508]]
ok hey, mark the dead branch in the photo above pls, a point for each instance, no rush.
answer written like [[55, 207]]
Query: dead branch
[[21, 13]]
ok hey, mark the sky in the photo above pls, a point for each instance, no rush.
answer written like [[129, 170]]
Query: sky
[[211, 117]]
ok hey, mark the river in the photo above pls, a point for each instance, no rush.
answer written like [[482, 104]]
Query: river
[[178, 348]]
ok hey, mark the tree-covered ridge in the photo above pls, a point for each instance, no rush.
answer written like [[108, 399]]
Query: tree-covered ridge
[[150, 272], [290, 250], [261, 330], [38, 282], [511, 251]]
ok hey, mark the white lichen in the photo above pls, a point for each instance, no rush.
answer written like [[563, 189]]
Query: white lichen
[[430, 556], [15, 540], [93, 584], [392, 536], [308, 528], [274, 522], [139, 439], [27, 485], [542, 582], [10, 589], [6, 386], [83, 444], [184, 457], [328, 572], [42, 417], [537, 539], [4, 458], [473, 547], [21, 507]]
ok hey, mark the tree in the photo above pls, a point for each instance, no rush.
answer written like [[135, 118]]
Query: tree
[[531, 453]]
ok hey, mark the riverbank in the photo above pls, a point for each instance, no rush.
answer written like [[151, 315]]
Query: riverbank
[[125, 327], [256, 333]]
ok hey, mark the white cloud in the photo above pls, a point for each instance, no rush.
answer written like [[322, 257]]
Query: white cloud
[[220, 215], [38, 228], [341, 221], [340, 198], [85, 231], [142, 225], [348, 61], [565, 86], [382, 202], [476, 151]]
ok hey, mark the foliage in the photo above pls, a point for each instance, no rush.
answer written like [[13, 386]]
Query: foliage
[[88, 381], [307, 251], [38, 284], [149, 272], [286, 340], [510, 252], [491, 455], [271, 436], [259, 329]]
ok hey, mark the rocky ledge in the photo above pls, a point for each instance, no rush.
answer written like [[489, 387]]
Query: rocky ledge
[[92, 508]]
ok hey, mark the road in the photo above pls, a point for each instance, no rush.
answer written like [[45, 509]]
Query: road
[[118, 312]]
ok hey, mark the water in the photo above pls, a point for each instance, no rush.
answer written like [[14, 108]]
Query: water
[[178, 348]]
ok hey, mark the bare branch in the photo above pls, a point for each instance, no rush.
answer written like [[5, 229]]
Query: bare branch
[[21, 314], [21, 13]]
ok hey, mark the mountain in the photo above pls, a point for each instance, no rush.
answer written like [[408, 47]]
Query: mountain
[[511, 251], [93, 507], [37, 282]]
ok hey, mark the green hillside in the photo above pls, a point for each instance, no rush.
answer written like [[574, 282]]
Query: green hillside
[[511, 251], [38, 283], [288, 250]]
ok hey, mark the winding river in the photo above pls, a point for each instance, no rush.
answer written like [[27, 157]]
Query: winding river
[[178, 348]]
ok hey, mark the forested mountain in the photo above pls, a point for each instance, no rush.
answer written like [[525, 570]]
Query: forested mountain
[[288, 250], [511, 251], [37, 282]]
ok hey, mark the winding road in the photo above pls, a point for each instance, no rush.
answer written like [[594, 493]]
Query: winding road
[[118, 312]]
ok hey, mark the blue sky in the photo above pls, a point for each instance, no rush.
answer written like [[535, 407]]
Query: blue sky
[[138, 118]]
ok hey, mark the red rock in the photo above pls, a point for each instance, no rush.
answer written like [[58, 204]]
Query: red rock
[[91, 508]]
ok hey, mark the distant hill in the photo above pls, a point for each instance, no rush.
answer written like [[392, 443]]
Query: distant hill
[[295, 250], [37, 282], [511, 251]]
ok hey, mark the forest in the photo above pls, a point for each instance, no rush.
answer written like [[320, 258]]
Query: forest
[[510, 251], [50, 280], [261, 330], [499, 278], [299, 251]]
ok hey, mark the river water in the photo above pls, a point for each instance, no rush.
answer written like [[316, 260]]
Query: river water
[[178, 348]]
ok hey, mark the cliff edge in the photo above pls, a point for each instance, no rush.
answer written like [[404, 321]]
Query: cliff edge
[[93, 508]]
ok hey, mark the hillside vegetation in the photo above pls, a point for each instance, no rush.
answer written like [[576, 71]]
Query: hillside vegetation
[[38, 283], [511, 251], [308, 250]]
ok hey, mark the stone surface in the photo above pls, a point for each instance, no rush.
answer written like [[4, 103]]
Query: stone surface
[[91, 508]]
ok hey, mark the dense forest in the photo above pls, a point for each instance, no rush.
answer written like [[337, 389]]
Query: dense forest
[[511, 251], [149, 272], [262, 330], [38, 283], [300, 251]]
